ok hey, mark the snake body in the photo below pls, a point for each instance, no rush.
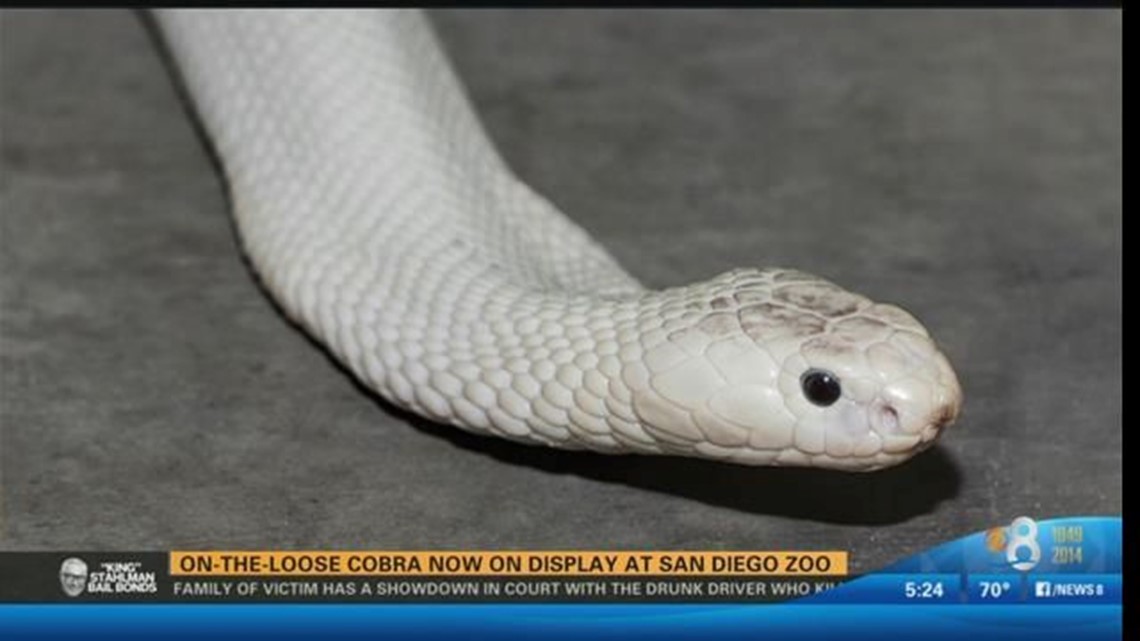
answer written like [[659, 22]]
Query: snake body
[[379, 215]]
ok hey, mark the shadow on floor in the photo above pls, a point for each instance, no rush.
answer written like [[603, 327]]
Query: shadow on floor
[[887, 496]]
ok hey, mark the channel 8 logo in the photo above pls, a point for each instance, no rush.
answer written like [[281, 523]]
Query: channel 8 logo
[[1018, 541]]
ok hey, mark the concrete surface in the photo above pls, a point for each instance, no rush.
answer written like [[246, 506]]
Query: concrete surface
[[964, 164]]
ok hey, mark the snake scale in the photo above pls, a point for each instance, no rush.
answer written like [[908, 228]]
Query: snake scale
[[379, 215]]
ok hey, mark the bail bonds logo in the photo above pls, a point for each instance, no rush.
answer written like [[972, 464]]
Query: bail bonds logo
[[73, 576], [112, 577]]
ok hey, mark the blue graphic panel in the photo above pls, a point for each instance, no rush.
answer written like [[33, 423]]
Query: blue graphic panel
[[1078, 545], [1049, 579], [555, 622]]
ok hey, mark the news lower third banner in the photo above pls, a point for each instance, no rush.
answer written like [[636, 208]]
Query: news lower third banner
[[1025, 578], [427, 577], [1068, 561]]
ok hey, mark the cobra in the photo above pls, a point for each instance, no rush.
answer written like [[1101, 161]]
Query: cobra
[[379, 215]]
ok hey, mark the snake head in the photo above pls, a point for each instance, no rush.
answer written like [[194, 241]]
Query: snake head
[[777, 367], [869, 391]]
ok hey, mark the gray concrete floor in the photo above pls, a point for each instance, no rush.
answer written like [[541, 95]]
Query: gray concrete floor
[[964, 164]]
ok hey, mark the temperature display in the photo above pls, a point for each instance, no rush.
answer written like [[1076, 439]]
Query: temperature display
[[994, 588]]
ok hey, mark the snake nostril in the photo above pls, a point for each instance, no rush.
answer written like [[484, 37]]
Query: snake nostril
[[887, 419]]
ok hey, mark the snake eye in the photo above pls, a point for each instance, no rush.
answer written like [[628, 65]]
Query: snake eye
[[820, 387]]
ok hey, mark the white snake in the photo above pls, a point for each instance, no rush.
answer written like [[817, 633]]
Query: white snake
[[381, 218]]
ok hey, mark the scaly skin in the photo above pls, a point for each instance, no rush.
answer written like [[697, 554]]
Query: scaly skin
[[379, 215]]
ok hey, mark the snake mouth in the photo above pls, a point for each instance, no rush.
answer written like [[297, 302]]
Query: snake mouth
[[941, 418], [948, 410], [944, 417]]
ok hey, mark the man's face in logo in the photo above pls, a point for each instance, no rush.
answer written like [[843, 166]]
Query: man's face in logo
[[73, 576]]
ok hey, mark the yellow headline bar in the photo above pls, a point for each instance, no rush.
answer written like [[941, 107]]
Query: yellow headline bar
[[506, 563]]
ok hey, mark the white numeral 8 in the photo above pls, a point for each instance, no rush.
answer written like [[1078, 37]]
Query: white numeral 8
[[1017, 541]]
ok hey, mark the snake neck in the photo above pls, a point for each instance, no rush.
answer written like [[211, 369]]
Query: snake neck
[[378, 214], [348, 143]]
